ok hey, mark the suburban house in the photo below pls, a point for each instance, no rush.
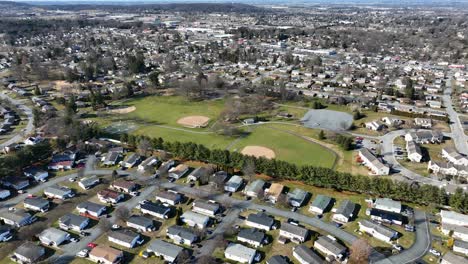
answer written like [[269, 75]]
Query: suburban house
[[460, 247], [305, 255], [141, 223], [62, 161], [260, 221], [36, 204], [195, 219], [425, 137], [330, 248], [423, 122], [294, 233], [111, 158], [456, 231], [206, 207], [453, 218], [131, 160], [414, 151], [378, 231], [240, 253], [447, 168], [451, 258], [181, 235], [320, 204], [392, 121], [17, 218], [373, 163], [254, 188], [29, 252], [274, 192], [179, 171], [169, 197], [219, 178], [35, 173], [385, 216], [53, 237], [155, 209], [252, 236], [110, 196], [92, 209], [87, 183], [106, 255], [59, 192], [125, 238], [454, 157], [196, 174], [278, 259], [4, 194], [73, 222], [297, 197], [147, 163], [388, 205], [17, 183], [374, 125], [234, 183], [5, 233], [345, 212], [124, 186], [169, 252]]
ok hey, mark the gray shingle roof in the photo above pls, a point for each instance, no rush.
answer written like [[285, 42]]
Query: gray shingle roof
[[261, 218], [252, 234], [308, 255], [182, 232], [125, 235], [30, 251], [164, 247]]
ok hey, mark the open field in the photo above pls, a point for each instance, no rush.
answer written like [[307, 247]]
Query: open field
[[158, 116]]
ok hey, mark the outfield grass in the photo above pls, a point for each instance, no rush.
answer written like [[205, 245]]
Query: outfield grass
[[156, 116]]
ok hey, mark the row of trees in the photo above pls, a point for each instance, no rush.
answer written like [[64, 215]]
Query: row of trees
[[12, 164], [317, 176]]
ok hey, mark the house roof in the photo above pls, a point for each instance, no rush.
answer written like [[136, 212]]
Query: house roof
[[240, 251], [387, 203], [294, 229], [30, 250], [298, 195], [235, 181], [90, 206], [330, 244], [16, 216], [255, 186], [111, 156], [308, 255], [346, 208], [149, 161], [252, 234], [198, 172], [140, 220], [52, 234], [124, 184], [72, 219], [181, 232], [461, 244], [124, 235], [36, 202], [58, 190], [387, 215], [205, 205], [278, 259], [164, 247], [172, 196], [88, 181], [451, 258], [106, 252], [106, 193], [383, 230], [132, 158], [158, 208], [321, 201], [195, 217], [261, 219], [450, 215], [275, 189]]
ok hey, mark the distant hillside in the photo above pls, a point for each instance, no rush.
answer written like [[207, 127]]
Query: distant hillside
[[180, 7], [11, 4]]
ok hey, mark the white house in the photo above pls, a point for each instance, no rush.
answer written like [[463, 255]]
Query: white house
[[374, 125], [345, 212], [387, 204], [454, 157], [453, 218], [294, 233], [460, 247], [413, 151], [195, 219], [378, 231], [53, 237], [373, 163], [240, 253], [330, 247], [125, 237], [4, 194]]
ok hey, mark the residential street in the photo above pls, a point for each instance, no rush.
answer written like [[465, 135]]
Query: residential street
[[29, 126], [458, 133]]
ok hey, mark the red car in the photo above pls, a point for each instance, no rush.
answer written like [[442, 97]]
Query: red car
[[92, 245]]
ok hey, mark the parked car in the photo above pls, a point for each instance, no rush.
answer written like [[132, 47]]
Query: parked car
[[434, 252], [83, 253], [92, 245], [74, 240]]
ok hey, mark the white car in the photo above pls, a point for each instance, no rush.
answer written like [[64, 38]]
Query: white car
[[74, 240], [83, 253], [114, 226], [435, 252]]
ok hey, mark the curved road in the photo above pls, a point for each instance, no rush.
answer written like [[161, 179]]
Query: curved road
[[29, 126]]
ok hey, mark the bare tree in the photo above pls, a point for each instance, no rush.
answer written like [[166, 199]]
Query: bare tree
[[122, 213], [359, 252], [104, 225], [249, 169], [183, 257], [144, 147], [282, 200]]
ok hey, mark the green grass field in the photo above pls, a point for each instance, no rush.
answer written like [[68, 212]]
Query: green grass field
[[157, 116]]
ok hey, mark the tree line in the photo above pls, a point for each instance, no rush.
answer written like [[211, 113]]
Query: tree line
[[316, 176]]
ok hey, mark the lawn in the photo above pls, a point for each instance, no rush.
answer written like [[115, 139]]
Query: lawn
[[157, 116]]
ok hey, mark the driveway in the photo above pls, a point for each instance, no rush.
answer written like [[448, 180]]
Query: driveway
[[29, 126]]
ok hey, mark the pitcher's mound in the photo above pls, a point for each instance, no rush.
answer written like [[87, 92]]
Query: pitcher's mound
[[258, 151], [123, 110], [194, 121]]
